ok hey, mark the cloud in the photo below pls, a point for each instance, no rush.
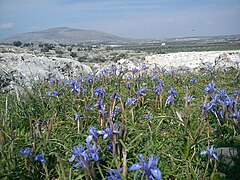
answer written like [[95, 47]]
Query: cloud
[[8, 25]]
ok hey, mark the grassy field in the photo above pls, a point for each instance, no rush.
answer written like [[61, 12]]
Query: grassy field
[[139, 124], [174, 47]]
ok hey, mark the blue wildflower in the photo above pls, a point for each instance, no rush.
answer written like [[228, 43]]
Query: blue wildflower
[[236, 93], [49, 93], [193, 80], [105, 72], [154, 75], [171, 71], [89, 79], [102, 112], [161, 83], [190, 98], [142, 91], [80, 80], [211, 151], [157, 89], [114, 174], [211, 87], [99, 91], [130, 77], [150, 169], [92, 150], [229, 103], [115, 96], [77, 116], [223, 94], [116, 111], [108, 132], [26, 152], [170, 100], [77, 151], [110, 146], [139, 78], [38, 123], [92, 134], [84, 91], [172, 92], [100, 104], [144, 67], [236, 115], [131, 101], [148, 116], [81, 156], [114, 68], [85, 157], [52, 81], [164, 70], [75, 86], [40, 157], [134, 70], [89, 108], [55, 93], [208, 107], [220, 114]]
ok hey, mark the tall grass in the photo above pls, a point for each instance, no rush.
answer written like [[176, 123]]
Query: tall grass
[[111, 124]]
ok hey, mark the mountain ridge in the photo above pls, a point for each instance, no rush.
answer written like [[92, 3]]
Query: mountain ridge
[[66, 35]]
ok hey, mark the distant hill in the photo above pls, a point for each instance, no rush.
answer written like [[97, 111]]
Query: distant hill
[[65, 35]]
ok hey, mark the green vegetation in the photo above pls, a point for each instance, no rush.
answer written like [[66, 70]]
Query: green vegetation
[[173, 47], [17, 43], [73, 54], [103, 122], [119, 56]]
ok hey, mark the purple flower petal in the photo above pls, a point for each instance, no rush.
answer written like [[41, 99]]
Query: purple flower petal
[[135, 167], [72, 158], [156, 173], [204, 152]]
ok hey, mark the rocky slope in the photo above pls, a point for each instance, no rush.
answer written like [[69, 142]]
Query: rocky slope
[[21, 68], [191, 60]]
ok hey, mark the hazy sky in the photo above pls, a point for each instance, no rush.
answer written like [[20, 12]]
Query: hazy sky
[[125, 18]]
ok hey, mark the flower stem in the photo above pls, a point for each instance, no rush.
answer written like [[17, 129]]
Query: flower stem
[[205, 172]]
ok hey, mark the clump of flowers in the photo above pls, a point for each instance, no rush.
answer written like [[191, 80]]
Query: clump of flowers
[[211, 87], [85, 157], [114, 174], [149, 169], [131, 101], [26, 152], [41, 158], [172, 96], [99, 92], [142, 91]]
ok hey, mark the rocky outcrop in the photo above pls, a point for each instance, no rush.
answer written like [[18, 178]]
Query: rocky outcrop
[[22, 68], [185, 60], [214, 59], [17, 70]]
